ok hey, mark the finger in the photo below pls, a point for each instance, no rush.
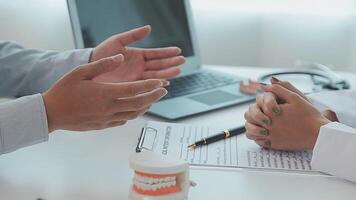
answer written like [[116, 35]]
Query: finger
[[125, 116], [139, 102], [91, 70], [164, 63], [115, 124], [162, 74], [288, 86], [159, 53], [281, 92], [254, 132], [130, 89], [270, 103], [255, 116], [260, 102], [264, 143], [133, 35]]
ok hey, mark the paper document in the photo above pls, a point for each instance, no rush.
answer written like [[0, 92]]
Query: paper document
[[173, 139]]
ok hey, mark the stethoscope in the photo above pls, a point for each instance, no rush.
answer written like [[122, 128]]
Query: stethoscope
[[321, 76]]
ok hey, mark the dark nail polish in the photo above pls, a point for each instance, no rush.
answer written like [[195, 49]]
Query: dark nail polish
[[268, 144], [263, 84], [264, 132], [265, 121], [275, 79], [275, 110]]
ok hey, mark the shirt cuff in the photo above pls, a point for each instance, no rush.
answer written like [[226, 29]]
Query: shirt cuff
[[334, 151], [66, 61], [23, 122]]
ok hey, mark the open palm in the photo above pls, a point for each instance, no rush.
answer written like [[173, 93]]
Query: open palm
[[140, 63]]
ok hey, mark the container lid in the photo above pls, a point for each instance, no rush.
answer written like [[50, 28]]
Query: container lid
[[153, 163]]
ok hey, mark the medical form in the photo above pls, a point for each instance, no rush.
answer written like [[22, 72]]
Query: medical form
[[236, 152]]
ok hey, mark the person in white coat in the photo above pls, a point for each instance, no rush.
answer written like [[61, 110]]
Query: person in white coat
[[284, 119], [95, 89]]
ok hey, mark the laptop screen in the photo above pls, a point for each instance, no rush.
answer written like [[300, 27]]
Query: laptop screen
[[168, 18]]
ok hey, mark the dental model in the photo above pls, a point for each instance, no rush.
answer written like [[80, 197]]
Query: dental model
[[252, 87], [158, 177]]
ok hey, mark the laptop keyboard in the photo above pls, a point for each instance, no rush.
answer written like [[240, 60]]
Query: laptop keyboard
[[197, 82]]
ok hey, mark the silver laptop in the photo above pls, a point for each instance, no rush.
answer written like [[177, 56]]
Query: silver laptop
[[196, 90]]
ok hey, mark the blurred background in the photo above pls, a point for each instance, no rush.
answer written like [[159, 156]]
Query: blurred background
[[273, 33]]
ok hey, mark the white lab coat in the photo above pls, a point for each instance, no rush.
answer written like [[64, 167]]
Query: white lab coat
[[335, 149]]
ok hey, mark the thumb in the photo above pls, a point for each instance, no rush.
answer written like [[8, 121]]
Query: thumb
[[104, 65], [133, 35], [288, 86]]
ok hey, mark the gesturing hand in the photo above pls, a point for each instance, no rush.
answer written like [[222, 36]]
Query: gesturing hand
[[78, 103], [139, 64]]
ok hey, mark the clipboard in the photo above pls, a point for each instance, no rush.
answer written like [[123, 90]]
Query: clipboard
[[171, 139]]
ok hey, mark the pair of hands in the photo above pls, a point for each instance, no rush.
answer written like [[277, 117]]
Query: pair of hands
[[284, 119], [119, 84]]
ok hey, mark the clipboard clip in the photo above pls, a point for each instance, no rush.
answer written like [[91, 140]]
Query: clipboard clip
[[146, 130]]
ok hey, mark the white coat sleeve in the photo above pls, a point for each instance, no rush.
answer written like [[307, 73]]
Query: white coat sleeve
[[335, 150], [342, 102]]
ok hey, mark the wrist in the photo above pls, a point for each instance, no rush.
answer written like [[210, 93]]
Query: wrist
[[49, 112], [330, 115], [316, 125]]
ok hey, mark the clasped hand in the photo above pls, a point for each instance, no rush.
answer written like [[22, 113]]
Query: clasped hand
[[284, 119]]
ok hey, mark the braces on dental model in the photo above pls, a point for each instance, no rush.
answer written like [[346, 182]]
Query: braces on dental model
[[159, 177]]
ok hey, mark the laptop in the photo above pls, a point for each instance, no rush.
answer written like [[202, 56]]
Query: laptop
[[196, 90]]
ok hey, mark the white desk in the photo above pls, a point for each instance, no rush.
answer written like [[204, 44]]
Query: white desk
[[94, 165]]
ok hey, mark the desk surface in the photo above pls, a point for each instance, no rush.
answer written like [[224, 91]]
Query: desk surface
[[94, 165]]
